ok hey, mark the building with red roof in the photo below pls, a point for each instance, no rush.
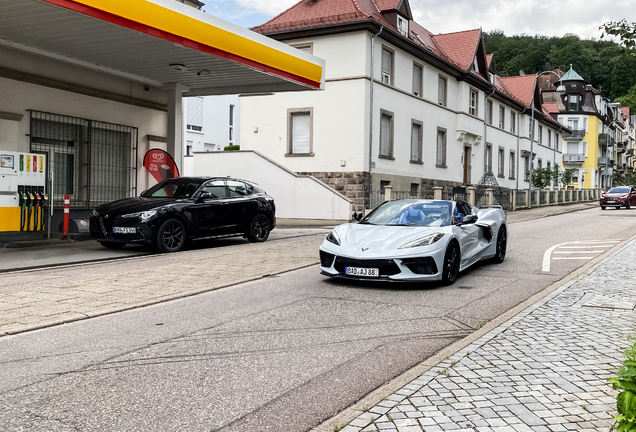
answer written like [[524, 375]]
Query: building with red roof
[[402, 107]]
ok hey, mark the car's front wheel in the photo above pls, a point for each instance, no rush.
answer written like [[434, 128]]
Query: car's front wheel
[[171, 236], [451, 264], [627, 206], [502, 242], [112, 245], [259, 229]]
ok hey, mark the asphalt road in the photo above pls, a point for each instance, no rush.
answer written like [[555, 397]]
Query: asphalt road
[[279, 354]]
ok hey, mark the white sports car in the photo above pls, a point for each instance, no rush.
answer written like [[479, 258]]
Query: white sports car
[[415, 240]]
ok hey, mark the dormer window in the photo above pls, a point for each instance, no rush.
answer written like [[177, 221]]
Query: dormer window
[[403, 26]]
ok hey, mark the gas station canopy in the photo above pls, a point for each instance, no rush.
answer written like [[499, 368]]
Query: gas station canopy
[[159, 43]]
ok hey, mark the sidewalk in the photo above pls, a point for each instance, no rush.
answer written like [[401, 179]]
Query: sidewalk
[[543, 370]]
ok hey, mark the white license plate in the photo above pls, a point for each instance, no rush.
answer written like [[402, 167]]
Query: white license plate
[[125, 230], [611, 202], [358, 271]]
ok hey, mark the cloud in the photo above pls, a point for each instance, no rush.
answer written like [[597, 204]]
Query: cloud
[[513, 17]]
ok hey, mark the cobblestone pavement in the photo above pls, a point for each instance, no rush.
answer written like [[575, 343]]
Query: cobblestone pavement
[[545, 370], [27, 303]]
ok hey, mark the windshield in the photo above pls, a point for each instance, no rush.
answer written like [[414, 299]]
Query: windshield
[[411, 213], [618, 190], [174, 188]]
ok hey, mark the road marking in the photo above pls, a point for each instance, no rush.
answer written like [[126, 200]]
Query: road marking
[[594, 244]]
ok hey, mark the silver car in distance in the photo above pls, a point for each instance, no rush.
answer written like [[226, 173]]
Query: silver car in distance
[[415, 240]]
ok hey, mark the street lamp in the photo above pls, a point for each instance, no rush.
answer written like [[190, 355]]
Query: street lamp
[[560, 90]]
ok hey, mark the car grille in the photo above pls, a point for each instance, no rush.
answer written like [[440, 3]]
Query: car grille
[[326, 259], [387, 267], [424, 266], [106, 225]]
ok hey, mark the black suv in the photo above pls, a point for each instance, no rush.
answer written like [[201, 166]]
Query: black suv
[[178, 209]]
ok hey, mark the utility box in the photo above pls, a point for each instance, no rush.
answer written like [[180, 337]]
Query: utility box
[[23, 195]]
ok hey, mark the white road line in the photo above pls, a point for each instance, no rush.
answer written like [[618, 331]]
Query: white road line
[[584, 247], [577, 252], [572, 258], [591, 244]]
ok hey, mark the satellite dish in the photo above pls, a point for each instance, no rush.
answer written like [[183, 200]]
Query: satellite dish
[[521, 72]]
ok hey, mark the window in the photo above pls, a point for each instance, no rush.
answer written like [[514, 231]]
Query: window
[[489, 112], [194, 107], [557, 140], [238, 189], [511, 165], [573, 102], [383, 185], [416, 141], [488, 166], [386, 134], [540, 137], [502, 117], [440, 160], [403, 26], [472, 102], [549, 165], [501, 161], [540, 164], [549, 138], [417, 80], [414, 190], [573, 123], [215, 188], [530, 131], [307, 47], [387, 66], [526, 168], [513, 122], [300, 131], [441, 90]]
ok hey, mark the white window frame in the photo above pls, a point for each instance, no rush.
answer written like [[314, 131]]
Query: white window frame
[[473, 102], [442, 90], [389, 137], [386, 71], [441, 147], [291, 145], [418, 72]]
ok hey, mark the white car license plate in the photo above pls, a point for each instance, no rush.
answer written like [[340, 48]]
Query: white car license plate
[[125, 230], [611, 202], [358, 271]]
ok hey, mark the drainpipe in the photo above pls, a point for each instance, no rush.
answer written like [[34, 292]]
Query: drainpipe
[[371, 113], [486, 126]]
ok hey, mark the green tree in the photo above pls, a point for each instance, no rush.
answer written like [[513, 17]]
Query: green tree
[[541, 177], [626, 32], [629, 100]]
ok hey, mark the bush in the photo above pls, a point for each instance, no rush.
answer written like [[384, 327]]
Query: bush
[[626, 399], [232, 148]]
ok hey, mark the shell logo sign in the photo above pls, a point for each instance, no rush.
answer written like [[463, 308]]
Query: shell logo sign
[[160, 164]]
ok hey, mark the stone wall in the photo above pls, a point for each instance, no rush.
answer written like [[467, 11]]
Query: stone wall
[[354, 185]]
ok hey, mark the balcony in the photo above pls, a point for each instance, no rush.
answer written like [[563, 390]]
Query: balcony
[[605, 140], [603, 161], [573, 159], [576, 134], [620, 147]]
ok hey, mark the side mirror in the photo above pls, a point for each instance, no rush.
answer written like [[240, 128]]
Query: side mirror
[[469, 219], [357, 216], [204, 195]]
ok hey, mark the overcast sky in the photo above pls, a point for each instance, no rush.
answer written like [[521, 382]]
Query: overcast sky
[[513, 17]]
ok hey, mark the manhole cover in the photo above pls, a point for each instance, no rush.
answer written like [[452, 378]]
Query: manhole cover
[[610, 302]]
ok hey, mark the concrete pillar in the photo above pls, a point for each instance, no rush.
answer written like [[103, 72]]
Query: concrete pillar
[[513, 199], [175, 124], [437, 192], [387, 193], [470, 195], [537, 194], [527, 198], [490, 198]]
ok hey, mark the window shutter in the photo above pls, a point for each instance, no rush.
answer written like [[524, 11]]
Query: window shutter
[[417, 80], [441, 91], [195, 111], [415, 143], [300, 133]]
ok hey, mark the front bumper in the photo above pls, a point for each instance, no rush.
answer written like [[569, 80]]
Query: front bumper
[[403, 269], [102, 229]]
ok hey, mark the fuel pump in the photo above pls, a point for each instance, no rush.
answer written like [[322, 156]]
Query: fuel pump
[[43, 207], [23, 200], [30, 199], [36, 209]]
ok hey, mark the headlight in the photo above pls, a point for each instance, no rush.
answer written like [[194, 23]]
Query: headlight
[[332, 237], [142, 216], [95, 213], [424, 241]]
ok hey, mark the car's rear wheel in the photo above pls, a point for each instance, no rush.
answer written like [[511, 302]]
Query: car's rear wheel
[[171, 236], [451, 264], [259, 229], [627, 206], [112, 245], [502, 243], [602, 207]]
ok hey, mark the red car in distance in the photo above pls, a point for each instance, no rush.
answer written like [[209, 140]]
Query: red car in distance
[[619, 196]]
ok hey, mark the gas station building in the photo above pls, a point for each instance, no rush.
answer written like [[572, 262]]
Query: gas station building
[[87, 87]]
